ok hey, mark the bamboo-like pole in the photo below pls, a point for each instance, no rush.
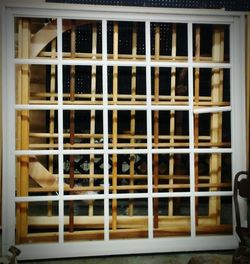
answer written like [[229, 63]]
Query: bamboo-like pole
[[128, 233], [132, 115], [203, 100], [119, 136], [24, 170], [92, 115], [196, 116], [115, 125], [123, 221], [156, 123], [92, 228], [124, 145], [216, 121], [46, 189], [125, 56], [72, 126], [52, 114], [172, 122]]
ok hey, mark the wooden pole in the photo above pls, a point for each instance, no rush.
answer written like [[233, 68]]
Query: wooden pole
[[115, 126], [216, 122], [156, 123], [72, 126], [24, 170], [132, 115], [172, 122], [52, 114], [92, 115]]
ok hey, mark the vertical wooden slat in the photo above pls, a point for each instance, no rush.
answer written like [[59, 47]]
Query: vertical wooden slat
[[196, 116], [72, 125], [24, 170], [156, 123], [92, 115], [172, 122], [215, 159], [115, 126], [52, 115], [132, 115]]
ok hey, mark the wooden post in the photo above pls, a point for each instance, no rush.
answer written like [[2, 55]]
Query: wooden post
[[132, 115], [52, 115], [24, 170], [172, 123], [216, 122], [114, 132], [196, 117], [156, 123], [72, 126], [92, 115]]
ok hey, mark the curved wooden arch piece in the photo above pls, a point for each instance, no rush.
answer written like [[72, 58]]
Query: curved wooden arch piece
[[48, 33]]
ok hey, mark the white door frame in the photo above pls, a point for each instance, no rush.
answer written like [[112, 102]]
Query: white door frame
[[104, 13]]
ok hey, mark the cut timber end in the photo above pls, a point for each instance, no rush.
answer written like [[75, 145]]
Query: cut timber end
[[41, 175]]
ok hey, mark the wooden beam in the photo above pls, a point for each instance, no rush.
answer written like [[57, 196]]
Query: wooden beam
[[24, 170], [91, 222], [216, 121], [115, 125]]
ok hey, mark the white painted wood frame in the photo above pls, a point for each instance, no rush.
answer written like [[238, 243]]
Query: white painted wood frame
[[62, 249]]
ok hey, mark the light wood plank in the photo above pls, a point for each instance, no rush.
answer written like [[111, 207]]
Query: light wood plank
[[24, 170], [115, 124], [215, 159]]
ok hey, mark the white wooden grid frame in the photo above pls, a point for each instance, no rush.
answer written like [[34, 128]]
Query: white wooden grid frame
[[104, 14]]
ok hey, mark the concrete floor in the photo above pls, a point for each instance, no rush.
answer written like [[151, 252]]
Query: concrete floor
[[224, 257]]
